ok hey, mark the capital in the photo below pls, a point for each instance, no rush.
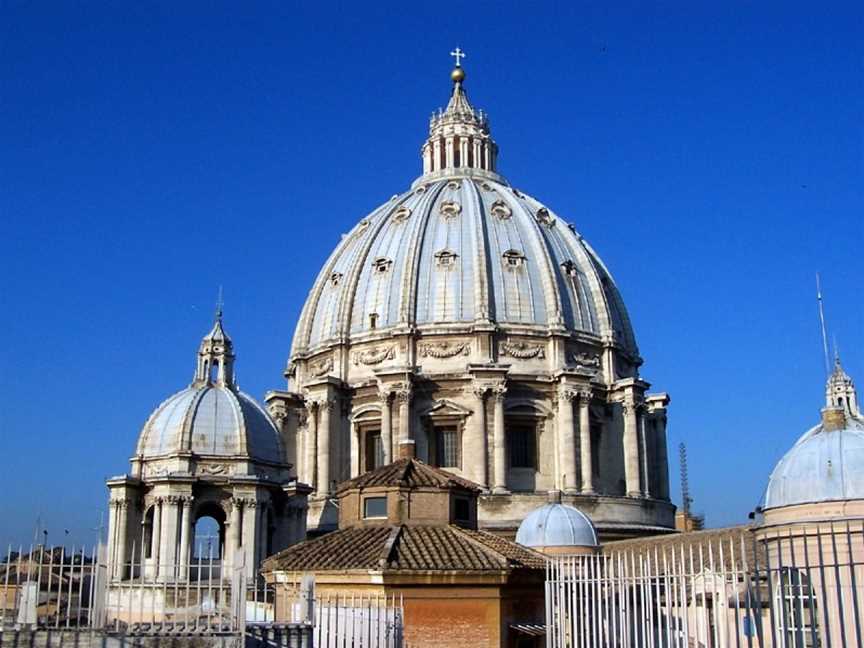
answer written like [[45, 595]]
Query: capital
[[404, 394], [567, 393], [480, 391], [585, 396], [498, 391]]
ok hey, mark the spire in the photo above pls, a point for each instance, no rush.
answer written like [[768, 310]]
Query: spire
[[459, 140], [840, 391], [216, 355]]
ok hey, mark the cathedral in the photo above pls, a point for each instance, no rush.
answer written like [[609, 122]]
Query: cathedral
[[466, 324]]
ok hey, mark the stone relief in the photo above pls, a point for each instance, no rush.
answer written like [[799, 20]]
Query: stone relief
[[401, 214], [445, 258], [522, 350], [444, 349], [454, 185], [584, 360], [374, 356], [213, 469], [321, 367]]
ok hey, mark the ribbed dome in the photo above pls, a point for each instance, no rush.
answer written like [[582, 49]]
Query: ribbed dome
[[463, 249], [557, 525], [212, 417], [210, 420], [824, 465]]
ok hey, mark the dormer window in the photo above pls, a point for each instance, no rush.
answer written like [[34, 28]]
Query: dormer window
[[373, 320], [445, 259], [513, 259], [402, 214], [569, 268], [335, 279], [381, 265], [500, 210], [450, 209], [544, 217]]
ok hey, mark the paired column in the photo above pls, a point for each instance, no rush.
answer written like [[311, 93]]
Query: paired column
[[566, 438], [310, 444], [406, 434], [323, 481], [499, 481], [386, 426], [250, 514], [585, 442], [183, 559], [662, 457], [631, 448], [476, 454], [122, 522]]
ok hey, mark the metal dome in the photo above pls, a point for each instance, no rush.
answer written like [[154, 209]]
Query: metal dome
[[823, 465], [557, 525]]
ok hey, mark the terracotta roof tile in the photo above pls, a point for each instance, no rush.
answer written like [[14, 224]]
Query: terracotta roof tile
[[409, 473], [415, 548]]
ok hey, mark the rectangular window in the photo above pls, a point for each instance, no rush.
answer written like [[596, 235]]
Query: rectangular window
[[374, 450], [522, 446], [375, 507], [462, 509], [447, 447]]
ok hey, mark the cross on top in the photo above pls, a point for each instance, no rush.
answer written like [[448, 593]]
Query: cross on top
[[458, 54]]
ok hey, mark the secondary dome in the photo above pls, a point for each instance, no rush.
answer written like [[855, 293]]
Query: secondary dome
[[827, 462], [557, 525], [211, 417], [462, 246]]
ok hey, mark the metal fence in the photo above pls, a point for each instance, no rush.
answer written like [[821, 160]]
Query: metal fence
[[54, 588], [796, 588]]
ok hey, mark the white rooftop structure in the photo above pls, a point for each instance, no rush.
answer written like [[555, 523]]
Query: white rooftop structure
[[827, 462], [557, 525]]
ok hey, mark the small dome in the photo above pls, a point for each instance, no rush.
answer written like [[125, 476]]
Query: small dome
[[824, 465], [212, 417], [210, 420], [557, 525]]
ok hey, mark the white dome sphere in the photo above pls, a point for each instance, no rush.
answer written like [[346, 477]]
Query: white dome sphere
[[210, 420], [823, 465], [557, 525]]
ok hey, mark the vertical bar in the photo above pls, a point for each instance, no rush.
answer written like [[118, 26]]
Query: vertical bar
[[839, 586], [796, 604], [81, 585], [71, 579], [771, 604], [855, 612], [735, 582], [811, 593]]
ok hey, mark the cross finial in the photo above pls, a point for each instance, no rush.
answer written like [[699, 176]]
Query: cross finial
[[458, 54]]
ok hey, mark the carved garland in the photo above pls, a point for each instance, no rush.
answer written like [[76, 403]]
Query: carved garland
[[374, 356], [586, 360], [444, 349], [522, 350], [321, 367]]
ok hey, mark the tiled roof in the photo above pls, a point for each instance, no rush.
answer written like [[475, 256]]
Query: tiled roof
[[736, 541], [409, 473], [406, 548]]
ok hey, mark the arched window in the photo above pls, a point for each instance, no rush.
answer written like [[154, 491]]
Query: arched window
[[208, 539], [148, 532], [795, 609]]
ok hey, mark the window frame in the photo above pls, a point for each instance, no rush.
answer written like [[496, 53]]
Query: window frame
[[374, 498]]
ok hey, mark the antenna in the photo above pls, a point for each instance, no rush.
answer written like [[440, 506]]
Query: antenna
[[219, 305], [685, 481], [822, 322]]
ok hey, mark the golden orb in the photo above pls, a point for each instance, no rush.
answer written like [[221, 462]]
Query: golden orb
[[458, 75]]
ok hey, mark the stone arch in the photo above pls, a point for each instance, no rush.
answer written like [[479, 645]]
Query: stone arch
[[208, 530]]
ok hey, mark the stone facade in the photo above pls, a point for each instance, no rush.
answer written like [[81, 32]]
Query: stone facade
[[468, 320]]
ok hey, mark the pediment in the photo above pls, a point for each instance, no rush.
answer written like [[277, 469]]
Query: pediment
[[445, 407]]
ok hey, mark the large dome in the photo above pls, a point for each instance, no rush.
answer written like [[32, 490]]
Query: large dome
[[827, 463], [462, 250]]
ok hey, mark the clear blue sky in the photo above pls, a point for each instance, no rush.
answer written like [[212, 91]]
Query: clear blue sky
[[153, 151]]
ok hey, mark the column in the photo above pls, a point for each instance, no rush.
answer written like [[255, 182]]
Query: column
[[122, 524], [156, 533], [406, 436], [356, 451], [585, 442], [476, 157], [185, 522], [311, 443], [499, 482], [449, 153], [170, 514], [631, 449], [323, 481], [386, 426], [643, 452], [436, 159], [236, 531], [112, 535], [476, 453], [567, 438], [662, 457], [250, 514]]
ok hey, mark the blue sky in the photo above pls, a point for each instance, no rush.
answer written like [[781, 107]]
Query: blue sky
[[153, 151]]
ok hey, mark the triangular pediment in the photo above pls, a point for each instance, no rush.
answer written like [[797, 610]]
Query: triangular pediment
[[445, 407]]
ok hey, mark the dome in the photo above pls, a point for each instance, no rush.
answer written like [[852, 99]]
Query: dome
[[827, 462], [462, 246], [557, 525], [211, 417], [210, 420]]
